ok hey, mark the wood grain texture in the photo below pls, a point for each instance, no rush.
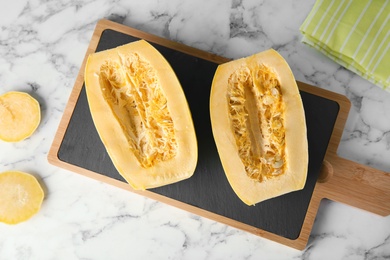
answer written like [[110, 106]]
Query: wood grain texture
[[367, 188]]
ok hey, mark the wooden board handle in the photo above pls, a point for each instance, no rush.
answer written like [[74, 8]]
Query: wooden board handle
[[354, 184]]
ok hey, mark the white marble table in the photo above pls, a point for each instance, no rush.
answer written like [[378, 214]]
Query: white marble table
[[42, 44]]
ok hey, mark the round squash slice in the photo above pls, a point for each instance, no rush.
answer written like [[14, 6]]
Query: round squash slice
[[20, 116], [21, 196], [259, 126], [141, 114]]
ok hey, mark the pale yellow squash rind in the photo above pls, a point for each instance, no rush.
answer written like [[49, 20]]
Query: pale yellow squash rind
[[20, 116], [178, 168], [296, 149]]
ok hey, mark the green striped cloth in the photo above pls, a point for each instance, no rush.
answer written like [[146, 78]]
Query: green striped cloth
[[355, 34]]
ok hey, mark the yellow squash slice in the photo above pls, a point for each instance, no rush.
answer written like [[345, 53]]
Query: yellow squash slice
[[20, 116], [141, 114], [259, 126], [21, 196]]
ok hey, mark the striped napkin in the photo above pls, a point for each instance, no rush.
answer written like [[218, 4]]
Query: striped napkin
[[355, 34]]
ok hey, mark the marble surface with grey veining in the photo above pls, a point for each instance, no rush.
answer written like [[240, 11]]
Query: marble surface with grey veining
[[42, 45]]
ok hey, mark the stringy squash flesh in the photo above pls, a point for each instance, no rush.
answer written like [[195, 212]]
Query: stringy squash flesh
[[256, 110], [141, 114], [133, 92], [259, 127]]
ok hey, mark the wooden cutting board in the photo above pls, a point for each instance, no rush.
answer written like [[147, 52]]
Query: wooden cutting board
[[287, 219]]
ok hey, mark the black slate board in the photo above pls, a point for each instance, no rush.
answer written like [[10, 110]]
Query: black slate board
[[208, 189]]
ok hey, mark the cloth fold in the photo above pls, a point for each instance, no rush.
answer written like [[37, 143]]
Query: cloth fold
[[353, 33]]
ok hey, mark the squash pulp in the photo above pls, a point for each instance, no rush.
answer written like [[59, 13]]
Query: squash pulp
[[259, 126], [141, 114]]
